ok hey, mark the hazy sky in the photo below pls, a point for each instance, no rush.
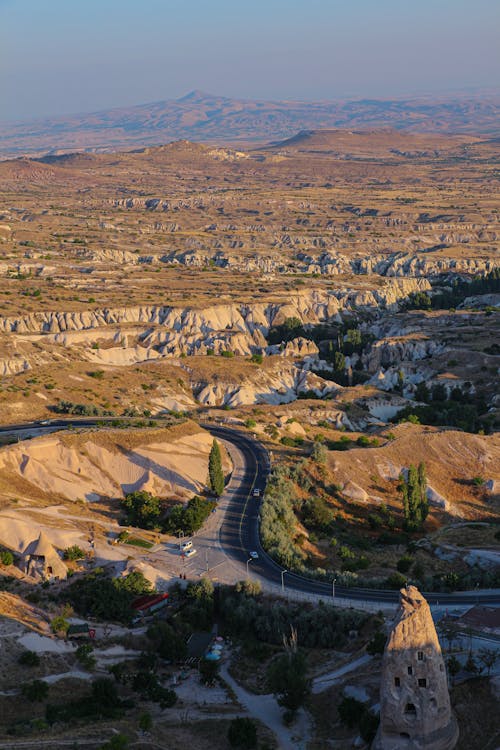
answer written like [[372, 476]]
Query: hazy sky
[[65, 56]]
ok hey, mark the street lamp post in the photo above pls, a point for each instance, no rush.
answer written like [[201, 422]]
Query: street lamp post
[[283, 581], [333, 589], [248, 561]]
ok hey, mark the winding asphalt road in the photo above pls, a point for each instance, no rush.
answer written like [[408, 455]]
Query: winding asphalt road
[[239, 531]]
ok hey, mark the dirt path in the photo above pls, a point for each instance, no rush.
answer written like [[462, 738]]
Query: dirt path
[[266, 709], [326, 680]]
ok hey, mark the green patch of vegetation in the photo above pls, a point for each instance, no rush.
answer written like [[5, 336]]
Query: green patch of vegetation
[[190, 518], [107, 598]]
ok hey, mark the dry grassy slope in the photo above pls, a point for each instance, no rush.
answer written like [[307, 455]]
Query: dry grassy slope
[[170, 462], [14, 608], [452, 460]]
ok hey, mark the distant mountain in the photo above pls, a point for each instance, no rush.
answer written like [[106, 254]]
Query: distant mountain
[[214, 119]]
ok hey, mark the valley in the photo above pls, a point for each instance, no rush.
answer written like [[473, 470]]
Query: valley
[[326, 307]]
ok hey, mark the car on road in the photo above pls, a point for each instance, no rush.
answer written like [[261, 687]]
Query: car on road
[[184, 546], [190, 552], [256, 492], [254, 555]]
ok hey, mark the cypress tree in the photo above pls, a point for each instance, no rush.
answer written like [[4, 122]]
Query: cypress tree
[[215, 470], [414, 492]]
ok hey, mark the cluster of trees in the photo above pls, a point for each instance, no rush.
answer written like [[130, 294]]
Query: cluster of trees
[[278, 520], [147, 512], [81, 410], [460, 408], [103, 702], [354, 713], [413, 489], [143, 509], [456, 293], [188, 518], [251, 617], [97, 595]]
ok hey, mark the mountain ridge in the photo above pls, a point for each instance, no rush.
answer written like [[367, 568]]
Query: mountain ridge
[[201, 116]]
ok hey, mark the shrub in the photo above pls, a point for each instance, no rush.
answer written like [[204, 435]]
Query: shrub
[[59, 624], [377, 644], [404, 564], [242, 733], [35, 691], [6, 557], [29, 659], [396, 581], [227, 353], [73, 553]]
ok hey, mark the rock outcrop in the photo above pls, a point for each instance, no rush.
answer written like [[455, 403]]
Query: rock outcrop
[[415, 711]]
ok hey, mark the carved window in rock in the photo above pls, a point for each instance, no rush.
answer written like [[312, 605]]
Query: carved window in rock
[[405, 735], [397, 681], [410, 670], [420, 655], [422, 682], [410, 709]]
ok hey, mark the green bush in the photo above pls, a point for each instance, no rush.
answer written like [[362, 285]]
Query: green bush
[[37, 690], [73, 553], [6, 557], [29, 659], [242, 733], [404, 564]]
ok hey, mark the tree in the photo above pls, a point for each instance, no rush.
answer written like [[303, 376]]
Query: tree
[[454, 667], [242, 733], [73, 553], [488, 658], [350, 711], [168, 644], [414, 496], [35, 691], [143, 509], [287, 679], [319, 453], [118, 742], [208, 670], [29, 659], [215, 470], [377, 643], [6, 557], [84, 655], [470, 665], [59, 624], [146, 722]]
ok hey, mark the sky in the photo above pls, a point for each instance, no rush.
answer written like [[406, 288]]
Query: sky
[[70, 56]]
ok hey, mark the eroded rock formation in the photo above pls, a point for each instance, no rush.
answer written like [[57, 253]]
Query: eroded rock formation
[[415, 711]]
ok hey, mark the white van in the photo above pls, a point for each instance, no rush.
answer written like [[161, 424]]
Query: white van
[[190, 552], [186, 545]]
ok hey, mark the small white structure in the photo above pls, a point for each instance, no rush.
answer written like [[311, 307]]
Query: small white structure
[[40, 560]]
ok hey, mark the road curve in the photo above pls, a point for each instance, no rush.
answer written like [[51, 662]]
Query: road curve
[[239, 532], [239, 535]]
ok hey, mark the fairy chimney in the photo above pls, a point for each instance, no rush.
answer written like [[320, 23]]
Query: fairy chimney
[[415, 711]]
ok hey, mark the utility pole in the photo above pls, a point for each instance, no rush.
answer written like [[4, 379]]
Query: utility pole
[[248, 561], [283, 581], [333, 589]]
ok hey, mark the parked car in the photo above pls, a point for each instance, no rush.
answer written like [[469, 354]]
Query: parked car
[[256, 492], [185, 545], [254, 555], [190, 553]]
